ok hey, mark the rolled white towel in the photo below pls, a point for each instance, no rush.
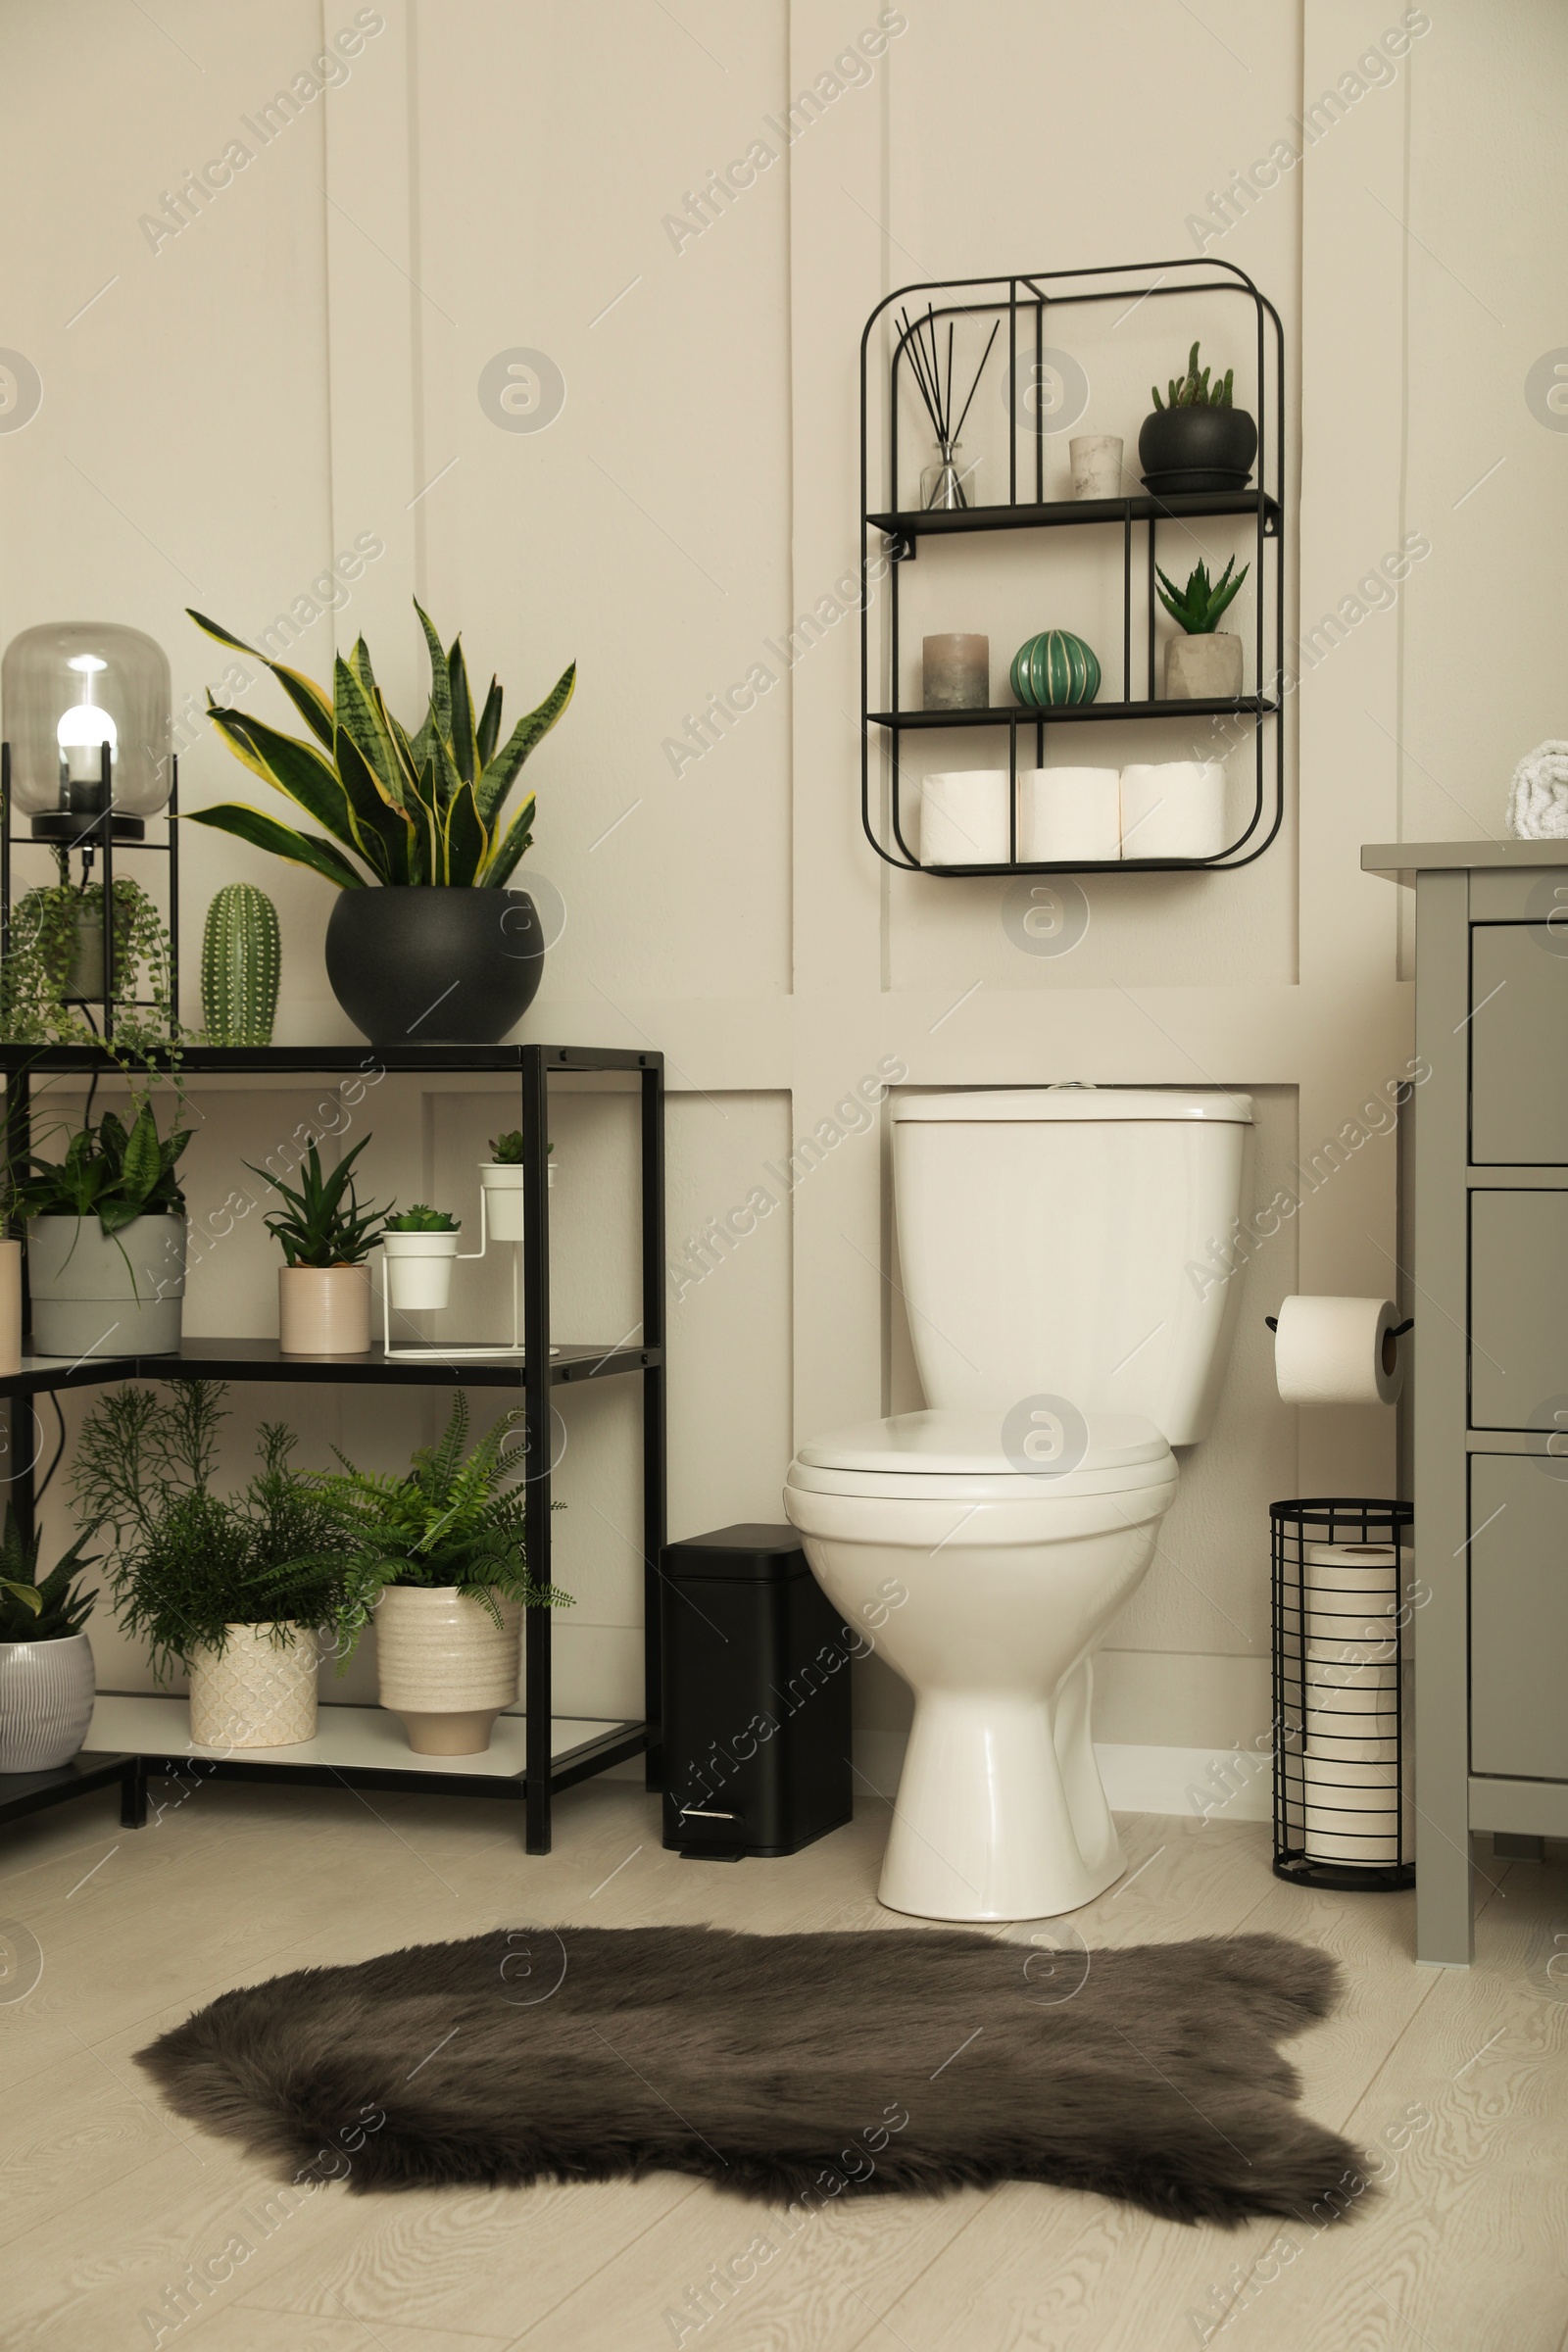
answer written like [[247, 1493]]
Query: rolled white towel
[[1537, 798]]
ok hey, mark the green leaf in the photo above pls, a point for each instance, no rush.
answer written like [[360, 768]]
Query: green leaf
[[322, 858], [143, 1161], [303, 692], [467, 841], [293, 768], [489, 728], [510, 847], [360, 717], [380, 830], [465, 752], [530, 731], [440, 687]]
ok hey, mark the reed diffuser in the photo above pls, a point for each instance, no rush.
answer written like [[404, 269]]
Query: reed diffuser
[[941, 483]]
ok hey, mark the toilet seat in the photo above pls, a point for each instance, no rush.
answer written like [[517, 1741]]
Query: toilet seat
[[960, 1457]]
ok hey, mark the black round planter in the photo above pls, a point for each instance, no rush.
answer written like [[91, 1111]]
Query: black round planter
[[1197, 449], [434, 967]]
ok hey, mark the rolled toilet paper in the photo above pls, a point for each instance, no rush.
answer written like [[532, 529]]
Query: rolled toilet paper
[[1352, 1812], [963, 818], [1175, 810], [1066, 812], [1338, 1351]]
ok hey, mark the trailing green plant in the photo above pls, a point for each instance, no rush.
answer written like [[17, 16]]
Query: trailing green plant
[[241, 964], [453, 1518], [50, 1610], [55, 935], [395, 809], [1193, 391], [508, 1150], [421, 1219], [185, 1563], [323, 1224], [1198, 605], [110, 1171]]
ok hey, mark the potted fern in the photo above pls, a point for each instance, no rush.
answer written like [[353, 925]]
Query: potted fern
[[235, 1588], [419, 1247], [1196, 438], [1203, 663], [106, 1240], [501, 1179], [444, 1544], [427, 941], [324, 1287], [46, 1673]]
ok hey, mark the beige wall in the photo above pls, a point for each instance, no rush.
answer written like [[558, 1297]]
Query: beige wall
[[299, 367]]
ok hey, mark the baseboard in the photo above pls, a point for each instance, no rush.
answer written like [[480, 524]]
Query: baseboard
[[1203, 1783]]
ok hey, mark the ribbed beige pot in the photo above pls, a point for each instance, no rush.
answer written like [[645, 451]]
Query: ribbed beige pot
[[254, 1693], [324, 1310], [445, 1666]]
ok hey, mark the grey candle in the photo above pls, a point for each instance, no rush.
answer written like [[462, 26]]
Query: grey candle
[[956, 672]]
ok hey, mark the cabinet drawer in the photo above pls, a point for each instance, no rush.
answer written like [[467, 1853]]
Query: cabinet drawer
[[1518, 1309], [1519, 1617], [1519, 1045]]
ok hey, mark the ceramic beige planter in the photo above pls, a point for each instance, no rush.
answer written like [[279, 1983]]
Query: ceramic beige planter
[[10, 1306], [418, 1269], [98, 1293], [254, 1693], [1206, 670], [445, 1665], [324, 1310], [46, 1695]]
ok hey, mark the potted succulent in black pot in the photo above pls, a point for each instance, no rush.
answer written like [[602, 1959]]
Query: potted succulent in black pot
[[46, 1675], [1197, 439], [106, 1240], [428, 943]]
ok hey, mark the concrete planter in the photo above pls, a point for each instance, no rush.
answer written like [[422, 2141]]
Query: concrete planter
[[1205, 668], [445, 1666], [324, 1310], [254, 1693], [106, 1294], [46, 1695]]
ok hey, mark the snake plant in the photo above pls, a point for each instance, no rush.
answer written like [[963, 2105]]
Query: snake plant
[[395, 809]]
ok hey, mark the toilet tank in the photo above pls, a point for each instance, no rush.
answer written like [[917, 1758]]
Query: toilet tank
[[1066, 1242]]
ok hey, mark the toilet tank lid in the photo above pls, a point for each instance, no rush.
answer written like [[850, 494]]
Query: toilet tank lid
[[1078, 1103], [984, 1444]]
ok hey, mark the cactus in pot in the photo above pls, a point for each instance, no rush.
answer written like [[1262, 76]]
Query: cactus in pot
[[241, 961]]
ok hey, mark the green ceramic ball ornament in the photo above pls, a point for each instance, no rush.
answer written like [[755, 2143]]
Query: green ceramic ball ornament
[[1055, 667]]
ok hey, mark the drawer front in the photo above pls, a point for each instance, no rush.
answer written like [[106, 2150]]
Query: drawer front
[[1519, 1045], [1519, 1616], [1519, 1310]]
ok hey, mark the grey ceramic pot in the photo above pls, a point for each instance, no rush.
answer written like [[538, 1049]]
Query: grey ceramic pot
[[46, 1695], [97, 1294], [434, 967]]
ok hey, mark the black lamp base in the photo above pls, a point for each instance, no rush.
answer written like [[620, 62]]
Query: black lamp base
[[75, 829]]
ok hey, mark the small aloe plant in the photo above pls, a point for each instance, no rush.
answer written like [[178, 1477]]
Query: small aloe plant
[[323, 1224], [1195, 391], [1198, 607]]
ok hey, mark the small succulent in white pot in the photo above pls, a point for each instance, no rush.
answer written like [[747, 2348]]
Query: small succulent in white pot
[[46, 1671], [502, 1177], [419, 1246]]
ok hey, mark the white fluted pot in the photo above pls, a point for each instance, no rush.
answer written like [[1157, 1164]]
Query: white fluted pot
[[445, 1665], [254, 1693], [46, 1695]]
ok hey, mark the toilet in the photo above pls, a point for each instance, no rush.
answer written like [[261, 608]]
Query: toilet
[[1058, 1253]]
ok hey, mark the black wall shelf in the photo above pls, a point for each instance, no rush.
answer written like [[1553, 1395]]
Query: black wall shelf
[[544, 1365], [1025, 305]]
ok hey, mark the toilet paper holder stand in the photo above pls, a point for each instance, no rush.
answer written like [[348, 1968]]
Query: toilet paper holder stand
[[1396, 1330]]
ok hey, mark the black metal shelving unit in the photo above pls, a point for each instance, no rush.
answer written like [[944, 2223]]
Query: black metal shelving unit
[[1025, 303], [541, 1370]]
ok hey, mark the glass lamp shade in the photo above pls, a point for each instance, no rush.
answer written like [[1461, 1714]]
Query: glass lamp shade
[[68, 690]]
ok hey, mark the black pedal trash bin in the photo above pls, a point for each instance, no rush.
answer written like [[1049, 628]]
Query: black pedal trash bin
[[757, 1697]]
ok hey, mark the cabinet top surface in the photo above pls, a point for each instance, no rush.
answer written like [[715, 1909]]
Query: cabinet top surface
[[1401, 860]]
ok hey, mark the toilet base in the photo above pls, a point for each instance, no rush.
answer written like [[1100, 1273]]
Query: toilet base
[[1001, 1813]]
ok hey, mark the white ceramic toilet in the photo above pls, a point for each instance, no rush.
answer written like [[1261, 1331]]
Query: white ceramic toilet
[[1056, 1252]]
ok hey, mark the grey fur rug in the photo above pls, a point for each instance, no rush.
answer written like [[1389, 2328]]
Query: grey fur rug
[[782, 2067]]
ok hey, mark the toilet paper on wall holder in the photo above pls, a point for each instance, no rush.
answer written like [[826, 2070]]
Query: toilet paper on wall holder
[[1338, 1351]]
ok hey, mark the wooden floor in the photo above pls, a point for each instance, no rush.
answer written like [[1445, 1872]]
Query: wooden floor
[[1459, 2079]]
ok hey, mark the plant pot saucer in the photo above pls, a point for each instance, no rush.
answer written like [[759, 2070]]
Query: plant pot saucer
[[1185, 479]]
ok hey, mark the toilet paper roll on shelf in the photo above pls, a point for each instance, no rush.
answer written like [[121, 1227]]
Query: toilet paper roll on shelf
[[963, 818], [1067, 812], [1338, 1351], [1175, 808]]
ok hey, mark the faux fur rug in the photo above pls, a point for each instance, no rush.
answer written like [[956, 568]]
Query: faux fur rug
[[782, 2067]]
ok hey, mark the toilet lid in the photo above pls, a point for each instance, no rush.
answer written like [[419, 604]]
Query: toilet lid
[[1042, 1447]]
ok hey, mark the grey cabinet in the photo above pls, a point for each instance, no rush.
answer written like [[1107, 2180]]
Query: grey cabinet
[[1488, 1400]]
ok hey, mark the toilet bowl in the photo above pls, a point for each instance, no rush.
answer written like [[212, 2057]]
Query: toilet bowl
[[1070, 1326], [989, 1587]]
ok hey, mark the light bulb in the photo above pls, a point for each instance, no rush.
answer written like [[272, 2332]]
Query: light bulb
[[82, 732]]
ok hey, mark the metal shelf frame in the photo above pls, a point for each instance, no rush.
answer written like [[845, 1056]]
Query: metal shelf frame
[[1025, 301], [538, 1372]]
